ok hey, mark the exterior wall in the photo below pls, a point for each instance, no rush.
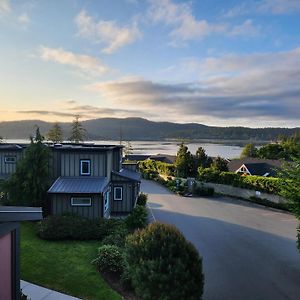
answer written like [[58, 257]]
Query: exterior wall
[[61, 203], [243, 193], [9, 168], [9, 261], [117, 159], [70, 163], [130, 191]]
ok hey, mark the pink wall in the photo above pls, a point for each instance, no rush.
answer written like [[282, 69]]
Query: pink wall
[[5, 267]]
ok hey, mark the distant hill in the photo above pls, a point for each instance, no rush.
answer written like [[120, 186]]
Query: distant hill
[[142, 129]]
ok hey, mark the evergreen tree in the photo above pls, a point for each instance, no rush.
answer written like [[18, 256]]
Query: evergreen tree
[[220, 164], [55, 134], [201, 159], [249, 151], [78, 132], [184, 162], [28, 185]]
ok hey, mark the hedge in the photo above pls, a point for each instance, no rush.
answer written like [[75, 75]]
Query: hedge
[[155, 167], [269, 185]]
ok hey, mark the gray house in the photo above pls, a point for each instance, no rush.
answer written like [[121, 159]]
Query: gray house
[[86, 179]]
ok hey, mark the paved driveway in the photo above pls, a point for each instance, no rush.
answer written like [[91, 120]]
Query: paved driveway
[[249, 252]]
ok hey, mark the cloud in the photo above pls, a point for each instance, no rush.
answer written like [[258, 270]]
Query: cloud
[[24, 19], [46, 112], [276, 7], [246, 29], [107, 33], [5, 6], [249, 87], [87, 64], [181, 19]]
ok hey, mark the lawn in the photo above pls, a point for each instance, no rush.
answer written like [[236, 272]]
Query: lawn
[[64, 266]]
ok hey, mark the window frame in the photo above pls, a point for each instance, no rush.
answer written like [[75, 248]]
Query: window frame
[[121, 198], [88, 205], [89, 167], [10, 156]]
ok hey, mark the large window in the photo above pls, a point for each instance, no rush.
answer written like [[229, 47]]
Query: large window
[[118, 191], [10, 159], [81, 201], [85, 167]]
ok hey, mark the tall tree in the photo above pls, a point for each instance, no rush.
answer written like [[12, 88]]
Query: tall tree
[[28, 185], [201, 159], [249, 151], [77, 132], [290, 188], [55, 134], [220, 164], [184, 162]]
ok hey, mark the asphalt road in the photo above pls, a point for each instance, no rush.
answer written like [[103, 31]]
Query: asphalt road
[[249, 251]]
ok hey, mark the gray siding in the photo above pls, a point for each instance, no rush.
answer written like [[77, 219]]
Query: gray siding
[[9, 168], [70, 163], [61, 203], [130, 192], [117, 157]]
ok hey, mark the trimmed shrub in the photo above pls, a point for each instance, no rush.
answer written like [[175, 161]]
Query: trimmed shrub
[[117, 238], [110, 259], [137, 218], [269, 185], [154, 167], [73, 227], [142, 199], [171, 264]]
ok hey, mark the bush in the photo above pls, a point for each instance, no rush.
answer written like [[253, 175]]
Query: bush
[[204, 191], [170, 263], [117, 238], [154, 167], [137, 218], [142, 199], [74, 227], [110, 259]]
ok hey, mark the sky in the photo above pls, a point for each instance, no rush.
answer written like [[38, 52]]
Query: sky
[[215, 62]]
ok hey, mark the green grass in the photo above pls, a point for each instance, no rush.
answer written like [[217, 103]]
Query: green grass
[[64, 266]]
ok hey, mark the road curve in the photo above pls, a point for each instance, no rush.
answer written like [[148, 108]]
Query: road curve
[[249, 251]]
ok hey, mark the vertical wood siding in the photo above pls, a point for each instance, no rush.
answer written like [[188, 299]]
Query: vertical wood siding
[[61, 203], [70, 163]]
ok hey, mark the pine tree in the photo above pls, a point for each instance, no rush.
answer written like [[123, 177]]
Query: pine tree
[[28, 185], [184, 162], [220, 164], [55, 134], [201, 159], [78, 132]]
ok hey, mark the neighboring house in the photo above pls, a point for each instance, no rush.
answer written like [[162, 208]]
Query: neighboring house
[[10, 154], [10, 216], [88, 180], [255, 166]]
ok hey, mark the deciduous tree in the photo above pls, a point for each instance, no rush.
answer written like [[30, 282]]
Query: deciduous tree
[[249, 151]]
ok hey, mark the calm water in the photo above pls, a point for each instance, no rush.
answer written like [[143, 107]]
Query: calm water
[[166, 147]]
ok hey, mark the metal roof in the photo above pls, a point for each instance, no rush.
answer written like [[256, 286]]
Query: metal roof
[[20, 213], [129, 174], [78, 185]]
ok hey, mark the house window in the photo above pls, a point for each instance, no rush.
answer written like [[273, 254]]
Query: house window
[[118, 193], [81, 201], [10, 159], [85, 167]]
